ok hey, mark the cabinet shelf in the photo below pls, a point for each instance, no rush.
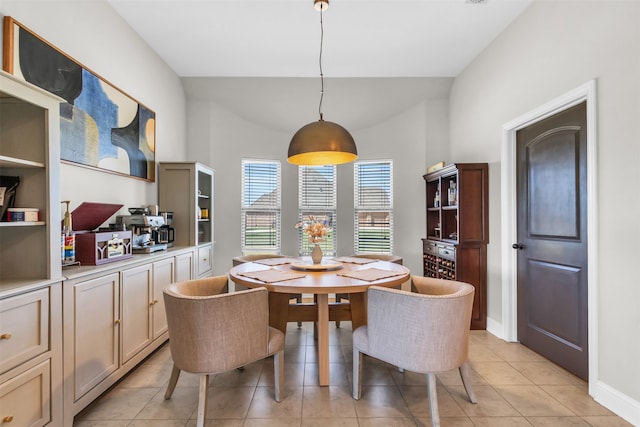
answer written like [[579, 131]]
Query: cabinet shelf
[[22, 224], [13, 162]]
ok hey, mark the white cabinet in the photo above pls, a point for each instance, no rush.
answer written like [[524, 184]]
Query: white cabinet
[[114, 318], [31, 358], [30, 150], [187, 190]]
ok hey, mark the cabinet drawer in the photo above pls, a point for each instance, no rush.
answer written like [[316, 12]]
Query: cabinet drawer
[[447, 252], [205, 261], [24, 399], [24, 328]]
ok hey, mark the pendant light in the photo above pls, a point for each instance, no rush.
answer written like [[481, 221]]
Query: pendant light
[[322, 142]]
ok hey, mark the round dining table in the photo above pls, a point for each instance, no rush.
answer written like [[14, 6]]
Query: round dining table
[[343, 275]]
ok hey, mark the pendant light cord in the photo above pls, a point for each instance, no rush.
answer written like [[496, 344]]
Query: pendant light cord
[[320, 61]]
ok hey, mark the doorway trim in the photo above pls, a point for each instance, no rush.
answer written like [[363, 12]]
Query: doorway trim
[[585, 92]]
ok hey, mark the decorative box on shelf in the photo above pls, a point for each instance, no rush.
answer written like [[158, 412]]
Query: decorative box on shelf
[[96, 247]]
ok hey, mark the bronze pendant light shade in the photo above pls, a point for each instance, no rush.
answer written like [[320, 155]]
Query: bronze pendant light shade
[[322, 143]]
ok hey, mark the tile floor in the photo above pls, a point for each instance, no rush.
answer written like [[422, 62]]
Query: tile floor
[[514, 386]]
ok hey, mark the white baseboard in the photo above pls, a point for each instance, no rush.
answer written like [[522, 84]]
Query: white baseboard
[[615, 401], [495, 328]]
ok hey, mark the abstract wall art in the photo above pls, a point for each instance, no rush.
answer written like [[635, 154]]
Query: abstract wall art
[[100, 126]]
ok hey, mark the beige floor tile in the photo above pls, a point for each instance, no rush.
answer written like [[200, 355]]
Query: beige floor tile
[[181, 406], [452, 377], [446, 422], [147, 376], [490, 402], [531, 401], [499, 373], [500, 422], [388, 422], [217, 423], [483, 338], [328, 402], [515, 352], [275, 422], [119, 404], [339, 374], [604, 421], [482, 353], [158, 423], [576, 399], [293, 374], [264, 405], [417, 400], [100, 423], [546, 373], [381, 401], [228, 402], [295, 353], [330, 422], [558, 422]]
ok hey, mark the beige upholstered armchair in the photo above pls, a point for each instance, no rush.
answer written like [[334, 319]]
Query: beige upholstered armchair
[[380, 257], [211, 331], [425, 332]]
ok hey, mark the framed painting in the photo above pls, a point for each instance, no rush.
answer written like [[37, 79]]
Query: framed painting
[[101, 127]]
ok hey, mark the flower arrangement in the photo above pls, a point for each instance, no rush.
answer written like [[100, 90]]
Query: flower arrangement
[[314, 228]]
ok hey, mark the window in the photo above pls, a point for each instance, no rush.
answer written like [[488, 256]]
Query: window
[[373, 202], [260, 206], [317, 197]]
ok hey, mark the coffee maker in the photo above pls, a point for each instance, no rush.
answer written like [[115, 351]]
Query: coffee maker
[[166, 233], [144, 230]]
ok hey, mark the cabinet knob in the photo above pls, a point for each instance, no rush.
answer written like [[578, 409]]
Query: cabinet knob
[[117, 322], [154, 302], [6, 336], [519, 246], [7, 419]]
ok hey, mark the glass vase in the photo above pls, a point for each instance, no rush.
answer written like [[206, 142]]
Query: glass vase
[[316, 254]]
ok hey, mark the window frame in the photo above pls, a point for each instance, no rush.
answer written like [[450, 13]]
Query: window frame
[[273, 209], [376, 209], [327, 211]]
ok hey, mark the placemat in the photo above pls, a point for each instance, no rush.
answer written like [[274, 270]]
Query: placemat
[[274, 261], [272, 275], [370, 274], [354, 260]]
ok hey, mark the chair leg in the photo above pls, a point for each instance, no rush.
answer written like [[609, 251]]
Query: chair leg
[[357, 374], [433, 399], [466, 381], [338, 299], [173, 380], [278, 374], [299, 301], [202, 400]]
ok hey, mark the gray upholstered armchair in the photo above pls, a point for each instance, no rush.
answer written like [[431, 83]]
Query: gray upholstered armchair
[[211, 331], [425, 332]]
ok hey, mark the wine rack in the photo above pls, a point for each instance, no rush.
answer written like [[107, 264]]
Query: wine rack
[[435, 263]]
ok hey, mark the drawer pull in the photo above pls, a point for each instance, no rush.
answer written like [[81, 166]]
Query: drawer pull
[[7, 419], [6, 336], [117, 322], [154, 302]]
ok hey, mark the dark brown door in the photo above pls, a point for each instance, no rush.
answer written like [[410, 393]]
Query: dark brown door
[[552, 238]]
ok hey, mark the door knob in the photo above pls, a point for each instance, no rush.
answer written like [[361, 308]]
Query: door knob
[[517, 246]]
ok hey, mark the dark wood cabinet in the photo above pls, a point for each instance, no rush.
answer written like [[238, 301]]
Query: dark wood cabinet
[[457, 225]]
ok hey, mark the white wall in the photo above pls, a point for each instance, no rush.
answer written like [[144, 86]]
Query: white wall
[[551, 49], [95, 36], [413, 139]]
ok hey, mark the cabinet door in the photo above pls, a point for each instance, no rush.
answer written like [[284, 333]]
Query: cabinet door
[[24, 328], [137, 301], [24, 399], [205, 261], [163, 272], [95, 319], [184, 267]]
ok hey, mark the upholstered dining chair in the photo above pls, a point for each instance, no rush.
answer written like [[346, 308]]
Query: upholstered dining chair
[[212, 331], [380, 257], [256, 257], [425, 332]]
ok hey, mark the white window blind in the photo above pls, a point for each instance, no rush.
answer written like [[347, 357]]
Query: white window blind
[[317, 198], [373, 202], [261, 186]]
